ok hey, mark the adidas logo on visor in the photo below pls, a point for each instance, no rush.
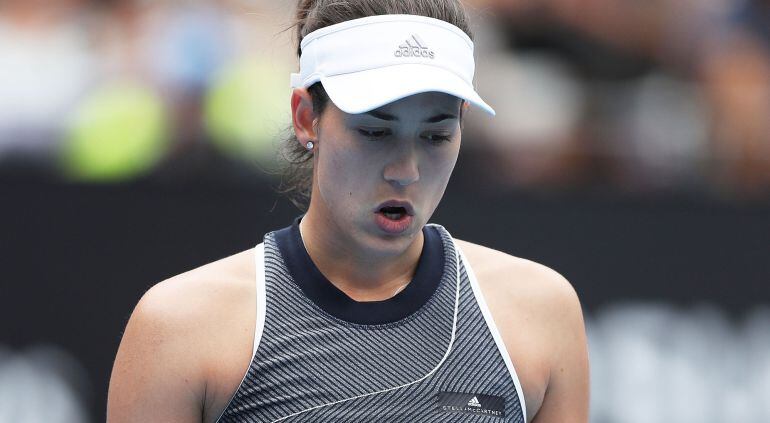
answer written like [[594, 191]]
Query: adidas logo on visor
[[414, 47]]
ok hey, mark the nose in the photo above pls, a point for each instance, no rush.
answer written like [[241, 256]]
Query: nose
[[403, 169]]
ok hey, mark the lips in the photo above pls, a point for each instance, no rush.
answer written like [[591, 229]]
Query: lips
[[396, 204], [394, 216]]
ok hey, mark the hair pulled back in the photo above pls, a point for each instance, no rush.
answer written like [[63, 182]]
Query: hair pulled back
[[311, 15]]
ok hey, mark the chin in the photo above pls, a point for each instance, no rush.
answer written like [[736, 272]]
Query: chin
[[395, 243]]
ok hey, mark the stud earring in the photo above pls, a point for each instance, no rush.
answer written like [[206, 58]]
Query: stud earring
[[309, 145]]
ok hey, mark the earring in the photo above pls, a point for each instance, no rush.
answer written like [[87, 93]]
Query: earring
[[309, 145]]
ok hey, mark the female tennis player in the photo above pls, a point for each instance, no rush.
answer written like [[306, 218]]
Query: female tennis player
[[361, 311]]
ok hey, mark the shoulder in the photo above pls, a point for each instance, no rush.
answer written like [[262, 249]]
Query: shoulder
[[519, 280], [523, 293], [186, 298], [198, 301], [177, 334]]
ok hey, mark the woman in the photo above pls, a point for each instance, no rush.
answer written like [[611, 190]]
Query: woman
[[362, 311]]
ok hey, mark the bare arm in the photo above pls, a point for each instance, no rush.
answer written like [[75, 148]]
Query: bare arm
[[156, 376], [567, 393]]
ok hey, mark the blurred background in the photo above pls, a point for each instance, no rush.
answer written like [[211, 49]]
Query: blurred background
[[630, 152]]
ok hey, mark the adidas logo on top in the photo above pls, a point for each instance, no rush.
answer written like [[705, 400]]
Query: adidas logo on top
[[474, 402], [414, 47]]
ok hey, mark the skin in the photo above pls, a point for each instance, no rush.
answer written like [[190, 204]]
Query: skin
[[189, 340], [361, 161]]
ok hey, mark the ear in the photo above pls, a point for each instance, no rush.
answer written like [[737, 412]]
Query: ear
[[302, 115]]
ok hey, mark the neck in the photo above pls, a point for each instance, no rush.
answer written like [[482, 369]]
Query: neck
[[362, 272]]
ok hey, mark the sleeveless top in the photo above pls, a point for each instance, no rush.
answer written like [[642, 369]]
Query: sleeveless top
[[431, 353]]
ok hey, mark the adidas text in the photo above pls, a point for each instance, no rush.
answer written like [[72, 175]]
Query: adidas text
[[414, 48]]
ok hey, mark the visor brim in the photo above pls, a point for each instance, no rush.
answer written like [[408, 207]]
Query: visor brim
[[363, 91]]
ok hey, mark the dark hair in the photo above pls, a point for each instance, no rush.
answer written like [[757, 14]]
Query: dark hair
[[297, 178]]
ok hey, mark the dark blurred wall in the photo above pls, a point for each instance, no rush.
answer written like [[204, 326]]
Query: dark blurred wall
[[75, 259]]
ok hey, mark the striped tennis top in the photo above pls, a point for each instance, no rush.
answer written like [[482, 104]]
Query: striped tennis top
[[431, 353]]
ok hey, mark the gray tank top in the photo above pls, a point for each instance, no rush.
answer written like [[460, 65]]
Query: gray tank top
[[431, 353]]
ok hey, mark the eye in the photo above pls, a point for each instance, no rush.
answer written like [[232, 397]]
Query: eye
[[437, 139], [374, 134]]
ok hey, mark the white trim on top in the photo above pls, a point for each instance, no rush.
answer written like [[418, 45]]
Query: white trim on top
[[259, 253], [493, 329], [259, 263]]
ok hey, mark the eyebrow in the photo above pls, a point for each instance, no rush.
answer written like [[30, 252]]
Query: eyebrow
[[389, 117]]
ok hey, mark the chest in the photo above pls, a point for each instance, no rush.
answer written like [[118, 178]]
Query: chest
[[310, 368], [459, 379]]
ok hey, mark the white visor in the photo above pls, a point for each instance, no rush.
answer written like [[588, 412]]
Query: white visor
[[367, 63]]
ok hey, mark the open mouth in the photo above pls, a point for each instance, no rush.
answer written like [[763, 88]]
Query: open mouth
[[393, 213]]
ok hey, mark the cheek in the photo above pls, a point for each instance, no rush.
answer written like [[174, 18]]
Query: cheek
[[342, 172], [438, 171], [442, 164]]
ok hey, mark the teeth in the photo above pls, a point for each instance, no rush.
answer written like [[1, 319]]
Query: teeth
[[392, 216]]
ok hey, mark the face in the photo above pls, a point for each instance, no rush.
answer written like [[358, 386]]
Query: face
[[403, 151]]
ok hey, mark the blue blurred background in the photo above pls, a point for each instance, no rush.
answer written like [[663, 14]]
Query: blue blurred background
[[631, 152]]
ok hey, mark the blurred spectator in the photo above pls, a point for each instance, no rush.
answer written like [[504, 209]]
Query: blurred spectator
[[119, 132], [736, 76], [246, 109], [666, 94], [46, 64], [645, 96], [754, 16], [542, 104], [168, 47], [659, 134]]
